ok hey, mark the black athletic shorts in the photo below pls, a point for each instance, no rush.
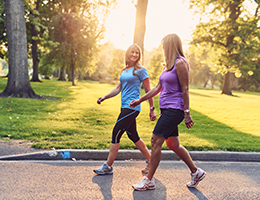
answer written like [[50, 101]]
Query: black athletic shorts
[[167, 124]]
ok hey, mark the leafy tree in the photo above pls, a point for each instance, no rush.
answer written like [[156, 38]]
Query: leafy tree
[[76, 29], [234, 31], [3, 37], [35, 31], [104, 59], [18, 84], [117, 63], [205, 75], [155, 65], [251, 82], [203, 67]]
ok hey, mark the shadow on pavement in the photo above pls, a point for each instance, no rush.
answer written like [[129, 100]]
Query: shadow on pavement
[[198, 193], [105, 184], [158, 193]]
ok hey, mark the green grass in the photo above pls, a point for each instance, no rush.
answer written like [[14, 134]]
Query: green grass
[[76, 121]]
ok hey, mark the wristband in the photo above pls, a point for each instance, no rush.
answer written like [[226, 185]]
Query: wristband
[[186, 111]]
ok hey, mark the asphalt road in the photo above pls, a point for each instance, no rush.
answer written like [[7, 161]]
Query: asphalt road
[[27, 173], [76, 180]]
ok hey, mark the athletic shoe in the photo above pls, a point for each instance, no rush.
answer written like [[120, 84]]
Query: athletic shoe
[[145, 184], [147, 167], [104, 170], [196, 177]]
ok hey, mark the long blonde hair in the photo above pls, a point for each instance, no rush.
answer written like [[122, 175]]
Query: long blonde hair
[[172, 47], [137, 64]]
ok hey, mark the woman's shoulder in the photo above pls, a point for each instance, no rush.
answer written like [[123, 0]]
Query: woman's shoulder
[[181, 62], [141, 68]]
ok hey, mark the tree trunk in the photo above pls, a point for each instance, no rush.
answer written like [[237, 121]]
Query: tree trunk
[[34, 33], [205, 83], [233, 82], [226, 89], [62, 74], [234, 14], [35, 76], [18, 84], [73, 74], [140, 26]]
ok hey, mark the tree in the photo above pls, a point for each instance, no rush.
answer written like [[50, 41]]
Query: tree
[[81, 30], [117, 63], [18, 84], [3, 37], [34, 29], [202, 60], [234, 31], [105, 56], [140, 25], [155, 65]]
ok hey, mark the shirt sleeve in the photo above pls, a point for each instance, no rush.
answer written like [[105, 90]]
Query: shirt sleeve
[[143, 74]]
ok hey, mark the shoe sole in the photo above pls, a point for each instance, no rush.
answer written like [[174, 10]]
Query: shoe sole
[[142, 189], [99, 173], [200, 179]]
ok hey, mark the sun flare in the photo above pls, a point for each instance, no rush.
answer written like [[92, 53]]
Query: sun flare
[[163, 17]]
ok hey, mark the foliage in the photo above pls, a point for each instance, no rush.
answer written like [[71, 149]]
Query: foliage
[[117, 63], [65, 31], [202, 60], [3, 37], [156, 65], [251, 82], [77, 43], [105, 55], [77, 122], [233, 30]]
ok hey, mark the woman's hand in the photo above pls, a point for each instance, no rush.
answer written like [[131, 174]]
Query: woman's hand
[[134, 103], [188, 120], [100, 99], [152, 115]]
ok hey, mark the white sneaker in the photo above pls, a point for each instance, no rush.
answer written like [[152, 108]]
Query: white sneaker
[[145, 184], [196, 178]]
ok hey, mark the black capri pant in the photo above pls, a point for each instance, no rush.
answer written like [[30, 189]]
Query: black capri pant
[[126, 122]]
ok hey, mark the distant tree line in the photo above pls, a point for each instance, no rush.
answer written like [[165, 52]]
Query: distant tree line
[[63, 35]]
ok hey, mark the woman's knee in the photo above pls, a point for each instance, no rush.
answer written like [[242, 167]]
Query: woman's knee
[[157, 141], [172, 143]]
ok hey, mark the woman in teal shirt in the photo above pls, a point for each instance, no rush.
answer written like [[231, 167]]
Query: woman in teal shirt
[[131, 78]]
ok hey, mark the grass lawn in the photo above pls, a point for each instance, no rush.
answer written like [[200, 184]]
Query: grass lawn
[[76, 121]]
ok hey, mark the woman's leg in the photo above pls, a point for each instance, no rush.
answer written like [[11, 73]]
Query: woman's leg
[[112, 153], [174, 144], [143, 148], [156, 142], [125, 119]]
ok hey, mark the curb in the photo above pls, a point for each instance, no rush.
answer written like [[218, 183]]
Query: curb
[[134, 155]]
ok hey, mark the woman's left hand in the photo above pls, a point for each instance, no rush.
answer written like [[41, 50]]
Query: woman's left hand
[[152, 115], [188, 120]]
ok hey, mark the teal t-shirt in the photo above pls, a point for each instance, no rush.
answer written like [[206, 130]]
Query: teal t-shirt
[[131, 85]]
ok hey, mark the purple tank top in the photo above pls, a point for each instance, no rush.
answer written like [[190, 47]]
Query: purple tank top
[[171, 95]]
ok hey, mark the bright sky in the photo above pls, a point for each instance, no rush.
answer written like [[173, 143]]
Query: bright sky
[[163, 17]]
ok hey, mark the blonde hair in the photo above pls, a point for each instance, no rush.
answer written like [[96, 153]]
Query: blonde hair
[[137, 64], [172, 47]]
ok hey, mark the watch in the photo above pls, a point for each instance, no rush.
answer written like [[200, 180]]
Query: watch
[[186, 111], [152, 108]]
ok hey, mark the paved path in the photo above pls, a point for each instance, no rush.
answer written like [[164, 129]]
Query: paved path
[[76, 180], [27, 173], [15, 147]]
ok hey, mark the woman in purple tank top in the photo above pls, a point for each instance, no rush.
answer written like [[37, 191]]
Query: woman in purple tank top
[[173, 86]]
